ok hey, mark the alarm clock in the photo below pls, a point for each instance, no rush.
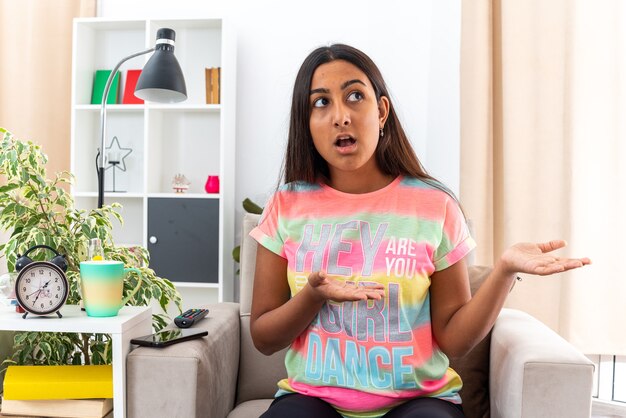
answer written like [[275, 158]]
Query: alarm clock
[[41, 287]]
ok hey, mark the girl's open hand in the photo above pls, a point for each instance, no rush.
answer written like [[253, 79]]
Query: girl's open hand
[[534, 258], [328, 288]]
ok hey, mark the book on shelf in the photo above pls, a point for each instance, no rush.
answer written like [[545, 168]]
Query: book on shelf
[[213, 80], [58, 382], [215, 84], [99, 83], [129, 88], [207, 79], [65, 408]]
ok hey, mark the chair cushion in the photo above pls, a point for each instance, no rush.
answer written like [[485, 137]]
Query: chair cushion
[[474, 367], [250, 409]]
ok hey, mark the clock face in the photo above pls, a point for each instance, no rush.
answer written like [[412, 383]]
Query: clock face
[[41, 288]]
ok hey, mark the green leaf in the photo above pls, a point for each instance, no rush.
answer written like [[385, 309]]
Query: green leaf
[[8, 187], [86, 230], [156, 292], [24, 176], [46, 348], [39, 238], [30, 194], [62, 352], [32, 221], [236, 253], [10, 208], [251, 207], [20, 210], [20, 147], [108, 353], [117, 216], [24, 355], [160, 321], [32, 159], [20, 337]]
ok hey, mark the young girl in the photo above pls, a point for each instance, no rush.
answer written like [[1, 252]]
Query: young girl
[[360, 269]]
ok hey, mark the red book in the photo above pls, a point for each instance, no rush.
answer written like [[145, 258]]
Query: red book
[[129, 90]]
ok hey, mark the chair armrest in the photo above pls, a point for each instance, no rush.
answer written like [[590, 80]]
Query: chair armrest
[[535, 373], [195, 378]]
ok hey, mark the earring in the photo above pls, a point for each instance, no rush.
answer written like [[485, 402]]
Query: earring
[[382, 133]]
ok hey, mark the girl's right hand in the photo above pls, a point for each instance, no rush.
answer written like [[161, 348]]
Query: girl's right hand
[[327, 288]]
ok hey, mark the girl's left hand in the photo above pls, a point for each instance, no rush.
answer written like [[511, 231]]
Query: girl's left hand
[[534, 258]]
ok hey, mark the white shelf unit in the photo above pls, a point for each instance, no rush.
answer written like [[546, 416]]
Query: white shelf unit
[[191, 138]]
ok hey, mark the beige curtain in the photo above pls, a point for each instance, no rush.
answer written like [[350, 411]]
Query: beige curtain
[[35, 74], [543, 152]]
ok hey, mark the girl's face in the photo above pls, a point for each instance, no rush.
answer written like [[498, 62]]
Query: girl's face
[[345, 118]]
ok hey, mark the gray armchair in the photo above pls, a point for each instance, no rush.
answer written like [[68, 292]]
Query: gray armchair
[[522, 369]]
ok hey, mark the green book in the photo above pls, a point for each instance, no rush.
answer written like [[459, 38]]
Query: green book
[[99, 82]]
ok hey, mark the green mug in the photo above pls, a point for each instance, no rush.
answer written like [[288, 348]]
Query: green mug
[[102, 285]]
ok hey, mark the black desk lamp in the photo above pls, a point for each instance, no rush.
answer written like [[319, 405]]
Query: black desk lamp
[[161, 80]]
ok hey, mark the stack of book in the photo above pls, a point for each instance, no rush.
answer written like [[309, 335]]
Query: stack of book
[[213, 77], [99, 84], [58, 391]]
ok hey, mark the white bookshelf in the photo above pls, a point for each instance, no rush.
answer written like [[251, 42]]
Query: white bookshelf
[[192, 138]]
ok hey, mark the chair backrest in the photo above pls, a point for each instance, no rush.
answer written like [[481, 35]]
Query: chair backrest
[[247, 262], [258, 374]]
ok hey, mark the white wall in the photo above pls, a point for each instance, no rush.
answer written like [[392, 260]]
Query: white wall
[[416, 44]]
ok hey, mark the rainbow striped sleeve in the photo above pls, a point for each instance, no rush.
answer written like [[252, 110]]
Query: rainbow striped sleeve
[[267, 232], [456, 241]]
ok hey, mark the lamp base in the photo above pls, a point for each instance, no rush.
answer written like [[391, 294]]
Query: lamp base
[[114, 164]]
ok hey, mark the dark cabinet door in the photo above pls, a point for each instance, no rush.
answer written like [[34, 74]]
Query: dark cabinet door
[[183, 239]]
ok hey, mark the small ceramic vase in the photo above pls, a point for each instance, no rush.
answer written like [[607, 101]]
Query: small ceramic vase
[[212, 184]]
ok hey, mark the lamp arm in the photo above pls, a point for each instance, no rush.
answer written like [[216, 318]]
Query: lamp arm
[[103, 122], [104, 100]]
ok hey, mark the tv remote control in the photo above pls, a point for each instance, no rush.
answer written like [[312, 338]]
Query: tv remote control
[[189, 317]]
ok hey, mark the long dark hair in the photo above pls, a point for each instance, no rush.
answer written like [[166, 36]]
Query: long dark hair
[[394, 153]]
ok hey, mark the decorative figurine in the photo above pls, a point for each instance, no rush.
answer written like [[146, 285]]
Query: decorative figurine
[[180, 184]]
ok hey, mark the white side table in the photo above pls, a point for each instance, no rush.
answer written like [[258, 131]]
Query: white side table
[[131, 322]]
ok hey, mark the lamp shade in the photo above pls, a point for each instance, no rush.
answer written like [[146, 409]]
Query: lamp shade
[[162, 79]]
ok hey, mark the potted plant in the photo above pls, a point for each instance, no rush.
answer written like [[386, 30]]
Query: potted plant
[[37, 210]]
